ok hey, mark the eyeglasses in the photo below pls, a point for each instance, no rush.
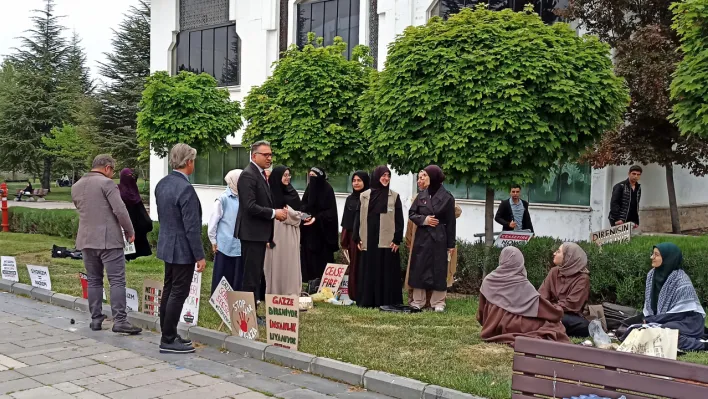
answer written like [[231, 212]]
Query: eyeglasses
[[267, 155], [286, 175]]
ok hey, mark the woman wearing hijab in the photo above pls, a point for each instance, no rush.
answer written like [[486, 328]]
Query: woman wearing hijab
[[282, 261], [670, 299], [379, 232], [510, 307], [568, 286], [360, 183], [227, 249], [433, 212], [142, 224], [320, 239]]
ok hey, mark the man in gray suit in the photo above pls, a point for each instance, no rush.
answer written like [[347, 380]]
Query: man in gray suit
[[179, 243], [102, 215]]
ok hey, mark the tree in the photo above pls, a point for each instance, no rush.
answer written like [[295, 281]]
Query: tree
[[10, 160], [186, 108], [689, 89], [308, 108], [126, 71], [70, 148], [496, 98], [646, 55], [76, 74]]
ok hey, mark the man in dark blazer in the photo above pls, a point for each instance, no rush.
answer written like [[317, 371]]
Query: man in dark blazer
[[254, 222], [513, 214], [179, 243]]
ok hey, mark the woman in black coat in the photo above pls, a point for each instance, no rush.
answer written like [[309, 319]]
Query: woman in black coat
[[142, 224], [434, 214]]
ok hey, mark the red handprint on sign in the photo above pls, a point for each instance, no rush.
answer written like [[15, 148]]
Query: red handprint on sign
[[243, 321]]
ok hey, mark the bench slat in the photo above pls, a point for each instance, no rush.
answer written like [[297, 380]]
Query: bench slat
[[539, 386], [609, 378], [613, 359]]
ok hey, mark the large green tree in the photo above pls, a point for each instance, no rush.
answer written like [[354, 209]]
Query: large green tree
[[495, 98], [308, 108], [71, 149]]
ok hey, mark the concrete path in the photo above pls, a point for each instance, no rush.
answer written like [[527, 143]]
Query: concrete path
[[44, 356], [41, 204]]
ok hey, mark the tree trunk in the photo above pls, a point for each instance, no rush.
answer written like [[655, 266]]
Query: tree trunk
[[47, 173], [488, 227], [673, 205]]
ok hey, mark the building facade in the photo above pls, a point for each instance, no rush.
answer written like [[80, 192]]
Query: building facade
[[237, 41]]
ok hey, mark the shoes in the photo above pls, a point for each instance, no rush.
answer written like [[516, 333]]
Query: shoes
[[175, 347], [439, 309], [96, 325], [183, 341], [126, 328]]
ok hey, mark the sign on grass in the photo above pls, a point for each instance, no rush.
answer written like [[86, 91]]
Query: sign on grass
[[283, 320], [152, 292], [515, 238], [615, 234], [9, 269], [332, 277], [39, 275], [220, 302], [131, 300], [243, 314], [190, 310]]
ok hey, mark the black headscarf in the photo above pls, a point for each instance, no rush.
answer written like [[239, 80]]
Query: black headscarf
[[351, 206], [437, 177], [672, 260], [282, 194], [379, 193], [315, 198]]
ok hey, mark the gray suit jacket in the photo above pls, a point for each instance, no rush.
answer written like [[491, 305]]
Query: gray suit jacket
[[102, 213], [180, 214]]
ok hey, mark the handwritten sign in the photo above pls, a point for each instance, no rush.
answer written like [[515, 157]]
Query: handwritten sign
[[190, 309], [131, 300], [9, 269], [332, 277], [283, 320], [220, 301], [39, 275], [128, 247], [152, 294], [344, 289], [616, 234], [84, 286], [243, 314], [514, 238]]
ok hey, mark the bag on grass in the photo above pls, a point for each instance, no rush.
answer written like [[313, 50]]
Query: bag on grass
[[616, 314], [653, 341]]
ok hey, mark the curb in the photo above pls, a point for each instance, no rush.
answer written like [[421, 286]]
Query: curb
[[374, 381]]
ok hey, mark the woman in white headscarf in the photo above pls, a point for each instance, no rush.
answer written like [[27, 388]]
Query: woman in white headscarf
[[227, 249]]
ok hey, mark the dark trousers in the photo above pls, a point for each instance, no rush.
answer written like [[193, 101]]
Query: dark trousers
[[178, 279], [575, 326], [228, 267], [253, 254]]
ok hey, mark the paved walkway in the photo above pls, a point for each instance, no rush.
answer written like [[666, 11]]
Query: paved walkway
[[41, 204], [44, 356]]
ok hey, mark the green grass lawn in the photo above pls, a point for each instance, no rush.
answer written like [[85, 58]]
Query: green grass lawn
[[442, 349]]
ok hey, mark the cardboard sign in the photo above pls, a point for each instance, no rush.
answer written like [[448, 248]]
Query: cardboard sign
[[243, 314], [332, 277], [152, 294], [39, 275], [190, 310], [9, 269], [84, 286], [515, 238], [220, 301], [616, 234], [344, 289], [131, 300], [283, 320]]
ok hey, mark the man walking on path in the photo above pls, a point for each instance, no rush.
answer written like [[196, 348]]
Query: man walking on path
[[513, 214], [179, 243], [624, 205], [104, 223]]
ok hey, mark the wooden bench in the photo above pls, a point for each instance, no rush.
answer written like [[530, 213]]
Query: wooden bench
[[556, 370], [38, 194]]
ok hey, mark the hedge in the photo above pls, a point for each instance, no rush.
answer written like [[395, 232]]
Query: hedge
[[617, 271]]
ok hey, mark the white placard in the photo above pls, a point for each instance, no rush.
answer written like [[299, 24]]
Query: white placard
[[9, 269], [190, 309], [131, 300], [39, 275], [516, 238], [128, 247], [220, 302], [616, 234], [344, 289]]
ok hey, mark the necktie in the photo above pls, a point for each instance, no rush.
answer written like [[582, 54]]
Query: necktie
[[265, 176]]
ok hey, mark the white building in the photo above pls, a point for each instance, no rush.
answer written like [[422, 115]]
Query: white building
[[238, 40]]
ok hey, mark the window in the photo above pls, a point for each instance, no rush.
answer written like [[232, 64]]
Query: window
[[211, 167], [214, 51], [327, 19], [545, 8]]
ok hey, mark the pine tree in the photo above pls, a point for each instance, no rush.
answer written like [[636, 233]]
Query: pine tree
[[126, 70], [75, 70]]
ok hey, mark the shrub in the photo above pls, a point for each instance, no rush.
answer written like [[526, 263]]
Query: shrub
[[62, 223]]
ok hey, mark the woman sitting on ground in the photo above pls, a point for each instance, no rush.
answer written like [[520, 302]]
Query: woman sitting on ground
[[510, 306], [568, 286], [671, 300]]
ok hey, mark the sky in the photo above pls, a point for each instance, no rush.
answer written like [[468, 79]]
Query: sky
[[93, 20]]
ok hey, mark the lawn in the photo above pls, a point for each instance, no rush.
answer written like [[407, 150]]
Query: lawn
[[57, 193], [442, 349]]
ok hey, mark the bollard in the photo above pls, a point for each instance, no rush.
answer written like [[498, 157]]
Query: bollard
[[5, 212]]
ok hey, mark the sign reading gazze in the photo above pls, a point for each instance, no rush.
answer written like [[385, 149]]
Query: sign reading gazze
[[616, 234], [39, 275]]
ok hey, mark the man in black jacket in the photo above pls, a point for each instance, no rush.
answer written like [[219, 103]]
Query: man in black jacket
[[513, 214], [624, 205]]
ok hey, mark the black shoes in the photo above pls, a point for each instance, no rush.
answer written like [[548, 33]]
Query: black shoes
[[96, 325], [175, 347], [183, 341], [126, 328]]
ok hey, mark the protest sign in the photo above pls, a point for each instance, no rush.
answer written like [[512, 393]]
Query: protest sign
[[190, 309], [515, 238], [283, 320], [131, 300], [243, 314], [332, 277], [39, 275], [152, 294], [9, 269], [84, 286], [128, 247], [220, 302], [344, 289], [615, 234]]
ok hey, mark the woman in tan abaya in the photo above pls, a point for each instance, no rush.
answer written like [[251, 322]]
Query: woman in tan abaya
[[510, 307]]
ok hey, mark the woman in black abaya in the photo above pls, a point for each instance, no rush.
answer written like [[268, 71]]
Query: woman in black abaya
[[320, 240]]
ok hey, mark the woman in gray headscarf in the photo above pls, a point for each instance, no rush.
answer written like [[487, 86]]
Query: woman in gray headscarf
[[509, 305]]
